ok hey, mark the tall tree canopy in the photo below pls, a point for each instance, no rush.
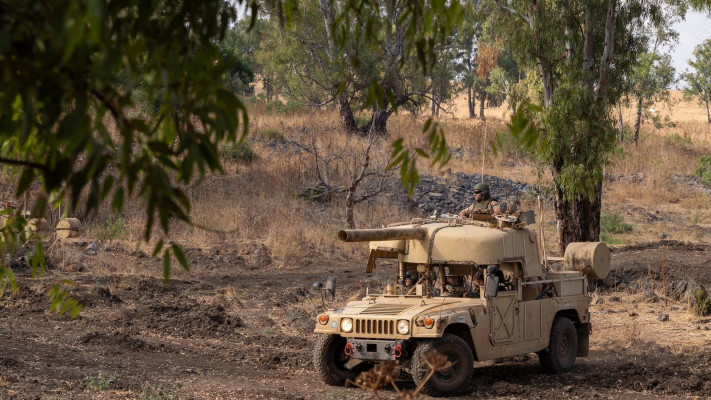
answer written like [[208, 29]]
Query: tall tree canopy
[[699, 78], [580, 52]]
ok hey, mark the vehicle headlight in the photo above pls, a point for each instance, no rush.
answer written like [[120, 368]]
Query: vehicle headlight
[[346, 325], [403, 327]]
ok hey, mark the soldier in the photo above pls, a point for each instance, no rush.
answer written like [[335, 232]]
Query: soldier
[[483, 204]]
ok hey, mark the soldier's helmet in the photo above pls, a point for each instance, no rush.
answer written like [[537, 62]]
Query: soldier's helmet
[[484, 188]]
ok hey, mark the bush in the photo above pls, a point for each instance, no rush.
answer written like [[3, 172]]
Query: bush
[[703, 302], [271, 135], [704, 170], [609, 239], [98, 383], [613, 223], [681, 141], [114, 228], [287, 108], [238, 151]]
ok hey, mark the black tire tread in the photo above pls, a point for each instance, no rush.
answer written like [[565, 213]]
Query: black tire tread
[[549, 357], [419, 368], [326, 344]]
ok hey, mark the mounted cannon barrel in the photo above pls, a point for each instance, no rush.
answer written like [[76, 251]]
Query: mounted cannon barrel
[[372, 235]]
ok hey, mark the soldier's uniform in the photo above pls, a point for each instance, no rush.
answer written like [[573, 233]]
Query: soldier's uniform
[[486, 206]]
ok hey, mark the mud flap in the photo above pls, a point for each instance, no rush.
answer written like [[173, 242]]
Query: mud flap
[[583, 339]]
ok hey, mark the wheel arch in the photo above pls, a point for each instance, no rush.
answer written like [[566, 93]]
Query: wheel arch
[[463, 331], [570, 314]]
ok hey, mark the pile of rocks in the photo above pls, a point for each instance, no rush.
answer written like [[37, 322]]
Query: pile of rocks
[[456, 191]]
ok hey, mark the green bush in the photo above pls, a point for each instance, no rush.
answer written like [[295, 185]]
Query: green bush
[[361, 121], [98, 383], [271, 135], [114, 228], [613, 223], [704, 170], [681, 141], [237, 151], [609, 239], [703, 302]]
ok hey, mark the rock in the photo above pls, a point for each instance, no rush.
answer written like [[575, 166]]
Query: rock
[[663, 317], [633, 314]]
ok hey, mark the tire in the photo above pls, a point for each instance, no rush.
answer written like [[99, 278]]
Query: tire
[[562, 349], [444, 383], [330, 360]]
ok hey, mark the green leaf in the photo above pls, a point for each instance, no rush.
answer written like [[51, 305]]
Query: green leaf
[[180, 255], [26, 178], [158, 247]]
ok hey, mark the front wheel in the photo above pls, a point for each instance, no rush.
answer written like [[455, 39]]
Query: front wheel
[[451, 380], [330, 360], [560, 354]]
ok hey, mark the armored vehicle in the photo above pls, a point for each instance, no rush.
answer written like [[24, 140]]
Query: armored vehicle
[[478, 291]]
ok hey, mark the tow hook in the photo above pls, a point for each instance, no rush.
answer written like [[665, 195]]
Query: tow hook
[[397, 352], [349, 349]]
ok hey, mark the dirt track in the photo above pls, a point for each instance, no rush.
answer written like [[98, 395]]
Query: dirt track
[[237, 327]]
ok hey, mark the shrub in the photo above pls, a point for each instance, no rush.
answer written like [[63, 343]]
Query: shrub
[[613, 223], [680, 141], [703, 302], [114, 228], [704, 170], [237, 151], [609, 239], [271, 135], [98, 383]]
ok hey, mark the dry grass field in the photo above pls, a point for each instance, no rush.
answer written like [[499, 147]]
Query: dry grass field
[[238, 324]]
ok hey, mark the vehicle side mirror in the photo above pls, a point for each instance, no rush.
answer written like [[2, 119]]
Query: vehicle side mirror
[[492, 286], [330, 288]]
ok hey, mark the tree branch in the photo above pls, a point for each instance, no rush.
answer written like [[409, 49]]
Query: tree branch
[[23, 163], [528, 19]]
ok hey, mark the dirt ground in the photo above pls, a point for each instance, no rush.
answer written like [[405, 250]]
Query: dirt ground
[[238, 326]]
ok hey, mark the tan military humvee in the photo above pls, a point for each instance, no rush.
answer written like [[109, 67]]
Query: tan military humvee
[[480, 293]]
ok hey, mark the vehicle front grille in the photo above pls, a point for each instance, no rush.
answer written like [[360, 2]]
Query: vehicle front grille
[[375, 327]]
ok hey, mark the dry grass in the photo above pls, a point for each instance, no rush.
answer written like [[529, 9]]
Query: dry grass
[[260, 201]]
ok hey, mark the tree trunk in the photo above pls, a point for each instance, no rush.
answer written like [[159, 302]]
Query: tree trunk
[[433, 105], [579, 220], [471, 101], [378, 123], [482, 101], [638, 120], [622, 123], [708, 116], [350, 219], [346, 114]]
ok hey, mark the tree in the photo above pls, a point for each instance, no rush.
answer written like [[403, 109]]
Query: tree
[[315, 68], [652, 74], [71, 71], [580, 51], [699, 80], [651, 79]]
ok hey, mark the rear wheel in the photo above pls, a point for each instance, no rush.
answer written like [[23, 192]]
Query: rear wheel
[[331, 361], [451, 380], [560, 354]]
